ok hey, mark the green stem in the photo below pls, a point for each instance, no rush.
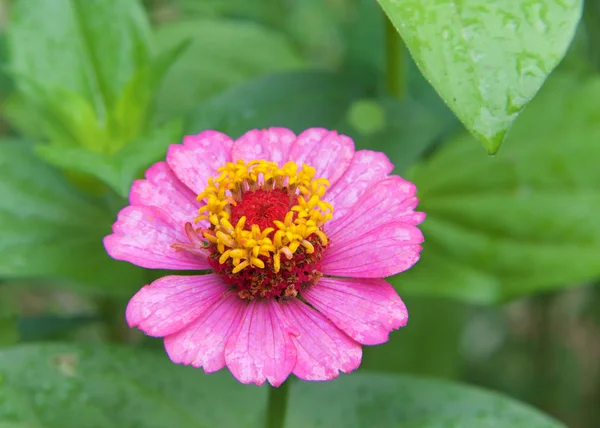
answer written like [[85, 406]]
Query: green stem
[[278, 399], [395, 69]]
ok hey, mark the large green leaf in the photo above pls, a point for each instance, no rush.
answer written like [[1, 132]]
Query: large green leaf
[[101, 386], [221, 53], [486, 58], [523, 221], [426, 346], [118, 170], [96, 386], [89, 47], [386, 400], [49, 230]]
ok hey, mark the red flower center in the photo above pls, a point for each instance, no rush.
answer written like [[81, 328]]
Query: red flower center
[[261, 207], [265, 233], [303, 270]]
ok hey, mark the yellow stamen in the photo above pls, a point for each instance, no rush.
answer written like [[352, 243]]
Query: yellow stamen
[[245, 246]]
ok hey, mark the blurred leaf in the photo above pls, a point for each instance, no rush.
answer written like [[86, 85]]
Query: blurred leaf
[[9, 333], [134, 108], [63, 117], [5, 81], [100, 95], [90, 47], [120, 169], [362, 26], [50, 327], [315, 27], [486, 59], [296, 100], [304, 99], [103, 386], [240, 8], [48, 230], [407, 131], [221, 53], [97, 386], [427, 345], [520, 222], [386, 400], [591, 16]]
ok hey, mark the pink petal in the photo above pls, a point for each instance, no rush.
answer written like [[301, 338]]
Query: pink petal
[[143, 236], [271, 144], [377, 237], [199, 157], [365, 309], [386, 251], [202, 343], [173, 302], [323, 350], [162, 189], [366, 169], [391, 199], [327, 151], [261, 347]]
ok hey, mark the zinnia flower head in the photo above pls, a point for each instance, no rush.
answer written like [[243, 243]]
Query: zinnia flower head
[[295, 233]]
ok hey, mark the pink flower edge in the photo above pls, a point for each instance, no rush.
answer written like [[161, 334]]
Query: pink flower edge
[[206, 325]]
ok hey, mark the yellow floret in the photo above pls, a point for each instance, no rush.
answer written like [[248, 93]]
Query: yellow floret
[[243, 246]]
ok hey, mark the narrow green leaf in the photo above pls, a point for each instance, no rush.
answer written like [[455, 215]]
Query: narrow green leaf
[[221, 53], [386, 400], [486, 59], [92, 47], [100, 386], [118, 170], [523, 221], [134, 110], [50, 230]]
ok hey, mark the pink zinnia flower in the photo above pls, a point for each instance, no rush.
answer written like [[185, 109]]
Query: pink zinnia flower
[[295, 232]]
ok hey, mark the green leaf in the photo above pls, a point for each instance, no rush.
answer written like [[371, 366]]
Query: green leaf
[[592, 29], [49, 230], [296, 100], [92, 48], [101, 386], [523, 221], [103, 83], [426, 346], [221, 53], [486, 59], [98, 386], [386, 400], [119, 170], [9, 334], [51, 327]]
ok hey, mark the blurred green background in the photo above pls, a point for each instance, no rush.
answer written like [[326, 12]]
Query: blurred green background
[[506, 295]]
